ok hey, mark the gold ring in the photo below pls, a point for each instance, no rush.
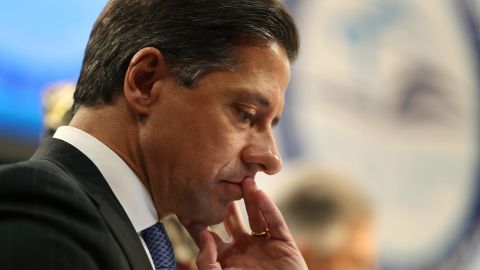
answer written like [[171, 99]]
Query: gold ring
[[260, 234]]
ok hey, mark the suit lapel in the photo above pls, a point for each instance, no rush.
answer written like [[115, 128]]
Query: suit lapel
[[89, 178]]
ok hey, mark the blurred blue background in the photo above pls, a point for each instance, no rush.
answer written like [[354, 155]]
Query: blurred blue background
[[41, 42]]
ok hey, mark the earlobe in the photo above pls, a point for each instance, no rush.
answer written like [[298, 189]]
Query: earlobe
[[141, 86]]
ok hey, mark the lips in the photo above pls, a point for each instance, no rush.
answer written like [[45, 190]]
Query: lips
[[237, 181], [233, 189]]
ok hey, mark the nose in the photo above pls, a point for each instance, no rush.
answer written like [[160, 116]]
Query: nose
[[262, 154]]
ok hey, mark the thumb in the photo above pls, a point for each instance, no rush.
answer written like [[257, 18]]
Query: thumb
[[207, 257]]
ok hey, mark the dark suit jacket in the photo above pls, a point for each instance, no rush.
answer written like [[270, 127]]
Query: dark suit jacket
[[58, 212]]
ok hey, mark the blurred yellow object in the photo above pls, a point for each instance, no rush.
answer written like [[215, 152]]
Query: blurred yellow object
[[185, 249], [57, 104]]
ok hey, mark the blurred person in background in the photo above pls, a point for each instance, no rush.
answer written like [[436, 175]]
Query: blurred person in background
[[173, 114], [332, 222]]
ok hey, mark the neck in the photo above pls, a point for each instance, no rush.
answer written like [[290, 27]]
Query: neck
[[117, 128]]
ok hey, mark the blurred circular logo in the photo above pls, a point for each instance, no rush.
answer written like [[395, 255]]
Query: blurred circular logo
[[387, 90]]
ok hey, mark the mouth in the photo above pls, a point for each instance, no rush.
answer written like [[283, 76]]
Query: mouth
[[231, 185], [237, 181], [233, 188]]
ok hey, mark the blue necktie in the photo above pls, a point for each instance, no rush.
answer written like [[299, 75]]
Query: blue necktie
[[159, 246]]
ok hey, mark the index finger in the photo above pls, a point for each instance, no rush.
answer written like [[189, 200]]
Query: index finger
[[273, 217], [255, 218]]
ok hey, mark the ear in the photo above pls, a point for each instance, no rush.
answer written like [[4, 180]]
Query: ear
[[141, 86]]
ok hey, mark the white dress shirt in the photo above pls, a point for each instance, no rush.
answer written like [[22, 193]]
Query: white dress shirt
[[127, 187]]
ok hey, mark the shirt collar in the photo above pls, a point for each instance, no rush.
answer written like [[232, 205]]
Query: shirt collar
[[127, 187]]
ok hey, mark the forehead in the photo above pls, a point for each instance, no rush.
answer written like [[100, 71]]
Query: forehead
[[261, 74], [263, 70]]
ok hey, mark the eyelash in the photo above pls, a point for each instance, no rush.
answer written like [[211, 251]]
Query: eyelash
[[246, 116]]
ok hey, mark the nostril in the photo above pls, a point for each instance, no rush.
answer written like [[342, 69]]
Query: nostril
[[261, 168]]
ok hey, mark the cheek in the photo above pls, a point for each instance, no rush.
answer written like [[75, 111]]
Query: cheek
[[216, 151], [213, 139], [196, 145]]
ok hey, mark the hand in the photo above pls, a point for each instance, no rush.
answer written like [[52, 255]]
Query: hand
[[274, 250]]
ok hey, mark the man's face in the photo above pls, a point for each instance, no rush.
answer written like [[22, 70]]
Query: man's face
[[199, 144]]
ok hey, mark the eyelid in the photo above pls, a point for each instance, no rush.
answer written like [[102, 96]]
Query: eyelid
[[245, 104], [250, 112], [249, 109], [246, 113]]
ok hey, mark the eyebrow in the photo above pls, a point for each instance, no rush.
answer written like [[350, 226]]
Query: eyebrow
[[258, 98]]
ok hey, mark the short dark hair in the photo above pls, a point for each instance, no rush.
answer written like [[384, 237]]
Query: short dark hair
[[194, 36]]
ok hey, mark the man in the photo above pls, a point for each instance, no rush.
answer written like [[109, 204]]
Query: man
[[173, 114]]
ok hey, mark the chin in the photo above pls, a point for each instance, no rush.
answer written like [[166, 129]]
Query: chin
[[214, 215], [207, 212]]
